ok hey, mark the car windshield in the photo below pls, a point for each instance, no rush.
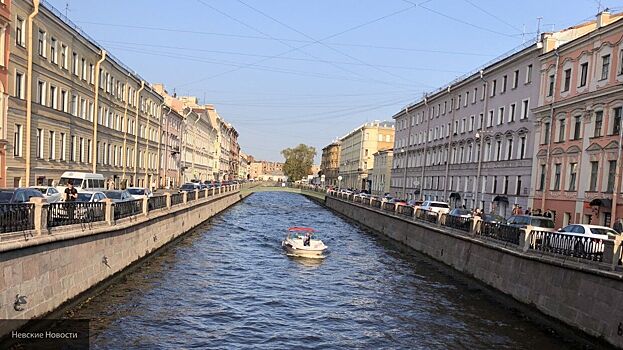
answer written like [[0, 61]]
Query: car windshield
[[41, 189], [84, 197], [439, 205], [461, 211], [113, 195], [136, 191], [65, 180], [604, 231], [5, 196], [546, 223], [496, 218]]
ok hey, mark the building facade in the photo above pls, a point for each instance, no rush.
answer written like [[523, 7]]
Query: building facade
[[5, 47], [267, 171], [579, 114], [356, 152], [382, 172], [330, 163], [244, 170], [73, 106]]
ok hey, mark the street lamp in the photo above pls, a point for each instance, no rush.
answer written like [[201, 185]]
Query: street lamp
[[339, 182], [479, 135]]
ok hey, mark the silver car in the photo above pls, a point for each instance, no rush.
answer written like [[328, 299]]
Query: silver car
[[50, 193]]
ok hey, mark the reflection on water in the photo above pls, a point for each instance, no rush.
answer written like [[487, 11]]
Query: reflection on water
[[229, 284]]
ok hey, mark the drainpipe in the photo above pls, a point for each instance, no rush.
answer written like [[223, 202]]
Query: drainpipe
[[183, 161], [124, 152], [551, 133], [617, 176], [31, 17], [146, 159], [482, 139], [159, 161], [404, 178], [136, 131], [425, 147], [445, 182], [195, 140], [95, 109], [166, 147]]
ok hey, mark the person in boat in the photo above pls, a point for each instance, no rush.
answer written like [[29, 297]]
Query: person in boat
[[307, 239]]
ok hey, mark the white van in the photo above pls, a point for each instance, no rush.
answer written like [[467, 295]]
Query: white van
[[81, 181]]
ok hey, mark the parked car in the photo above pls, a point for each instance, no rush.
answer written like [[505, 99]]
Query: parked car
[[50, 193], [493, 219], [189, 187], [139, 192], [591, 231], [460, 212], [436, 207], [90, 196], [18, 195], [397, 201], [118, 196], [531, 223], [81, 181]]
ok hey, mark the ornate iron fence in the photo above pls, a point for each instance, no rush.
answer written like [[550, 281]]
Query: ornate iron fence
[[70, 213], [191, 196], [568, 245], [376, 203], [202, 194], [427, 215], [500, 232], [406, 210], [177, 198], [17, 217], [391, 207], [129, 208], [458, 222], [157, 202]]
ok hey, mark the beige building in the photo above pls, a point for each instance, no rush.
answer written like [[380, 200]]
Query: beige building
[[265, 170], [356, 152], [244, 170], [382, 172], [330, 163], [73, 106]]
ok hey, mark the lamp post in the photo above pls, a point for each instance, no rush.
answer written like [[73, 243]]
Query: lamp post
[[478, 135], [428, 117], [406, 154], [339, 182]]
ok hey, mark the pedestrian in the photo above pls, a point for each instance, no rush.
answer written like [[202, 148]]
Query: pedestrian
[[71, 194], [528, 211], [618, 225]]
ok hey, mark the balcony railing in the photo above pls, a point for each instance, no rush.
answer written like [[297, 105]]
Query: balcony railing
[[69, 213], [16, 217]]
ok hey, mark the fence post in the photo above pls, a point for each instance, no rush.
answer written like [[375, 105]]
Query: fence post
[[109, 211], [168, 195], [40, 214], [524, 240], [476, 222], [145, 206], [184, 197], [213, 190], [206, 192], [396, 207], [616, 250]]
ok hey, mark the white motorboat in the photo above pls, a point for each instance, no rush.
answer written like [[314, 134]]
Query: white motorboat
[[299, 242]]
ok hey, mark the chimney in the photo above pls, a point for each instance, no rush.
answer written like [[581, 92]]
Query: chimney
[[603, 18]]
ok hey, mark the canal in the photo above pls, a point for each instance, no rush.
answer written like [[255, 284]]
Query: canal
[[228, 284]]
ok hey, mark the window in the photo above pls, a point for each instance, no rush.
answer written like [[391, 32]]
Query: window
[[494, 187], [545, 133], [498, 150], [529, 74], [592, 186], [89, 150], [561, 130], [515, 78], [19, 85], [494, 87], [522, 147], [81, 152], [509, 149], [500, 116], [64, 56], [53, 97], [20, 32], [83, 108], [605, 66], [484, 91], [64, 101], [75, 63], [474, 95], [599, 116], [63, 146], [53, 52], [41, 48], [556, 177], [621, 62], [91, 73], [74, 105], [504, 81], [542, 178], [612, 167], [41, 92], [573, 172], [72, 149], [567, 82], [84, 69], [578, 127], [17, 141], [550, 89], [583, 73], [52, 146], [490, 119], [505, 185], [518, 186], [525, 109], [616, 121], [39, 150], [471, 123]]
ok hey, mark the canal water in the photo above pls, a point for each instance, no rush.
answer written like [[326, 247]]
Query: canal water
[[228, 284]]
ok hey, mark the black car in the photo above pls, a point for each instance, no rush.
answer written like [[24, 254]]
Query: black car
[[14, 216], [18, 195], [188, 187]]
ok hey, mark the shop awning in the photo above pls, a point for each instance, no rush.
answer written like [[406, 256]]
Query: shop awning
[[455, 195], [501, 199], [601, 202]]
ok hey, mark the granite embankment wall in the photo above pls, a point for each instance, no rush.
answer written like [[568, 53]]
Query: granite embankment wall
[[40, 274], [580, 295]]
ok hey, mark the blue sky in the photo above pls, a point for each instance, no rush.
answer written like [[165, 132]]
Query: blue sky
[[290, 72]]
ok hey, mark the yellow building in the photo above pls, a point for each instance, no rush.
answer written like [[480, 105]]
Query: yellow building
[[381, 174], [330, 163], [357, 149]]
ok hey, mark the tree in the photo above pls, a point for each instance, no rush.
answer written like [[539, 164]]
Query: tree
[[299, 161]]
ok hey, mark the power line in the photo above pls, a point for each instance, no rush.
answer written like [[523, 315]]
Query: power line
[[493, 15]]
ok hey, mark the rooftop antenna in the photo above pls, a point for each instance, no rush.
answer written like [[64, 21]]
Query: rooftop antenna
[[523, 33], [538, 27], [598, 6], [66, 8]]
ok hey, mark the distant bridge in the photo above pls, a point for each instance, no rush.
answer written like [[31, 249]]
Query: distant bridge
[[275, 187]]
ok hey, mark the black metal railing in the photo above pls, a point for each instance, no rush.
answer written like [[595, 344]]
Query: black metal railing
[[376, 203], [389, 207], [191, 196], [500, 232], [427, 215], [157, 202], [177, 198], [406, 210], [202, 193], [568, 245], [458, 222], [129, 208], [70, 213], [17, 217]]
